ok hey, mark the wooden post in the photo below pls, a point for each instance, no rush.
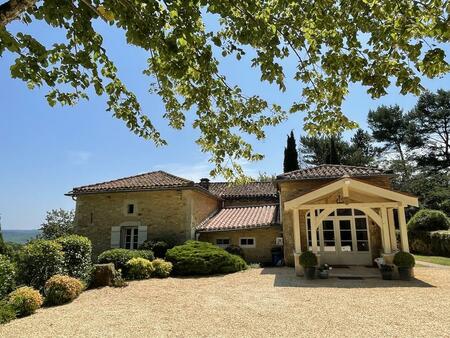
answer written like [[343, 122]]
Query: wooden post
[[296, 231], [403, 230], [385, 231], [392, 229], [313, 231]]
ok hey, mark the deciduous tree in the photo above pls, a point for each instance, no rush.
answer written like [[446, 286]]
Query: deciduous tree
[[334, 43], [58, 223]]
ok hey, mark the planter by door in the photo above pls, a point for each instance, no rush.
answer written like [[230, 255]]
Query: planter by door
[[405, 273], [310, 273]]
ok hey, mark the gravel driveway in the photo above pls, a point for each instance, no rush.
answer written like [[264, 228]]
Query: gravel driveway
[[254, 303]]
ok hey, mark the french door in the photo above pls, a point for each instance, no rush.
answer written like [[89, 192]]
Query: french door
[[343, 238]]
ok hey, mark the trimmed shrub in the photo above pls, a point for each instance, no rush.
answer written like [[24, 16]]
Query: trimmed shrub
[[38, 261], [235, 250], [7, 276], [162, 268], [434, 243], [120, 257], [202, 258], [77, 256], [7, 312], [139, 268], [308, 259], [429, 220], [159, 247], [404, 260], [61, 289], [25, 301]]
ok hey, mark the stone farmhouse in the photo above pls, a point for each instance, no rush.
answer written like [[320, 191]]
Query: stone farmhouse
[[346, 215]]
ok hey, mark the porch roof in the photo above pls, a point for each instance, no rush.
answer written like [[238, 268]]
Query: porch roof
[[345, 185]]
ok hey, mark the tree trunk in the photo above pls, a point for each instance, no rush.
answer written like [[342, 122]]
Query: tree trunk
[[11, 10]]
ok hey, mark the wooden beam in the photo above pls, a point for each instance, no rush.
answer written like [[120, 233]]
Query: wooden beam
[[324, 214], [313, 231], [385, 231], [403, 230], [296, 219], [373, 215], [392, 229], [355, 205], [345, 192]]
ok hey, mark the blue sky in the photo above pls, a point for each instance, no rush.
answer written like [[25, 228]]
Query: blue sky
[[44, 151]]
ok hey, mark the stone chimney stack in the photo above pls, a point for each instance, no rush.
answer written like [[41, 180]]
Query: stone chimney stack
[[204, 182]]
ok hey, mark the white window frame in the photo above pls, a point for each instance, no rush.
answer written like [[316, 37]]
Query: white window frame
[[223, 245], [247, 245], [332, 217], [134, 233]]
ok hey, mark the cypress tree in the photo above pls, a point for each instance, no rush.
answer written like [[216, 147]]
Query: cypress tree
[[290, 154]]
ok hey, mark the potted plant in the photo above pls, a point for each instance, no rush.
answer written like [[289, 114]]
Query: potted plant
[[324, 271], [308, 261], [405, 263], [386, 271]]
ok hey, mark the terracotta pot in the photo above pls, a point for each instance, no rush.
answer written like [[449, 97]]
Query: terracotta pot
[[405, 273]]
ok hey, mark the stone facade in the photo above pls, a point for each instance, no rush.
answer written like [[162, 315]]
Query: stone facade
[[264, 237], [293, 189], [171, 213]]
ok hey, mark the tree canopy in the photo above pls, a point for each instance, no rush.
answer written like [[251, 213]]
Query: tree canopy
[[335, 43], [58, 223]]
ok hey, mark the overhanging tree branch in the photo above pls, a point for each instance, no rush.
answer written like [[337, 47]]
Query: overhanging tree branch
[[11, 10]]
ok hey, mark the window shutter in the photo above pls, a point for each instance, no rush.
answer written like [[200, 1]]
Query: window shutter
[[115, 237], [142, 234]]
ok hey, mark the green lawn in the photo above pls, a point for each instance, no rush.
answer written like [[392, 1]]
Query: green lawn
[[434, 259]]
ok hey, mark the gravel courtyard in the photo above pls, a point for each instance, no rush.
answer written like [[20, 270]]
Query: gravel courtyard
[[254, 303]]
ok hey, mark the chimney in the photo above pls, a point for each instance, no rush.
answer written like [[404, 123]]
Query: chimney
[[204, 182]]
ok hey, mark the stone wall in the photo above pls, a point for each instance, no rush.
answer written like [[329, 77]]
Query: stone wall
[[292, 189], [167, 214], [265, 240]]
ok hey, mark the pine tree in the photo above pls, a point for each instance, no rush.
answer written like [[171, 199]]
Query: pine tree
[[290, 154]]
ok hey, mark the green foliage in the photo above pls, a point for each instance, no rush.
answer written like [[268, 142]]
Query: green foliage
[[77, 256], [38, 261], [61, 289], [7, 276], [429, 220], [308, 259], [435, 243], [25, 301], [290, 154], [162, 268], [235, 250], [159, 247], [139, 268], [202, 258], [431, 116], [58, 223], [7, 312], [120, 257], [317, 150], [404, 260], [333, 44]]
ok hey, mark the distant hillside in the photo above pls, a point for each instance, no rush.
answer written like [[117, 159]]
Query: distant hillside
[[19, 236]]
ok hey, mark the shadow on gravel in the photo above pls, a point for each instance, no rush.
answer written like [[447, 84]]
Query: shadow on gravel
[[285, 277]]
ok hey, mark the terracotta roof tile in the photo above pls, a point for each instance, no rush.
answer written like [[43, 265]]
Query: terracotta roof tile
[[252, 189], [147, 181], [237, 218], [331, 171]]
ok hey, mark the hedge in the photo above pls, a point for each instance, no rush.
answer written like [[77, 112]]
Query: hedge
[[202, 258], [38, 261], [77, 256], [7, 276], [429, 220], [433, 243], [120, 257]]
